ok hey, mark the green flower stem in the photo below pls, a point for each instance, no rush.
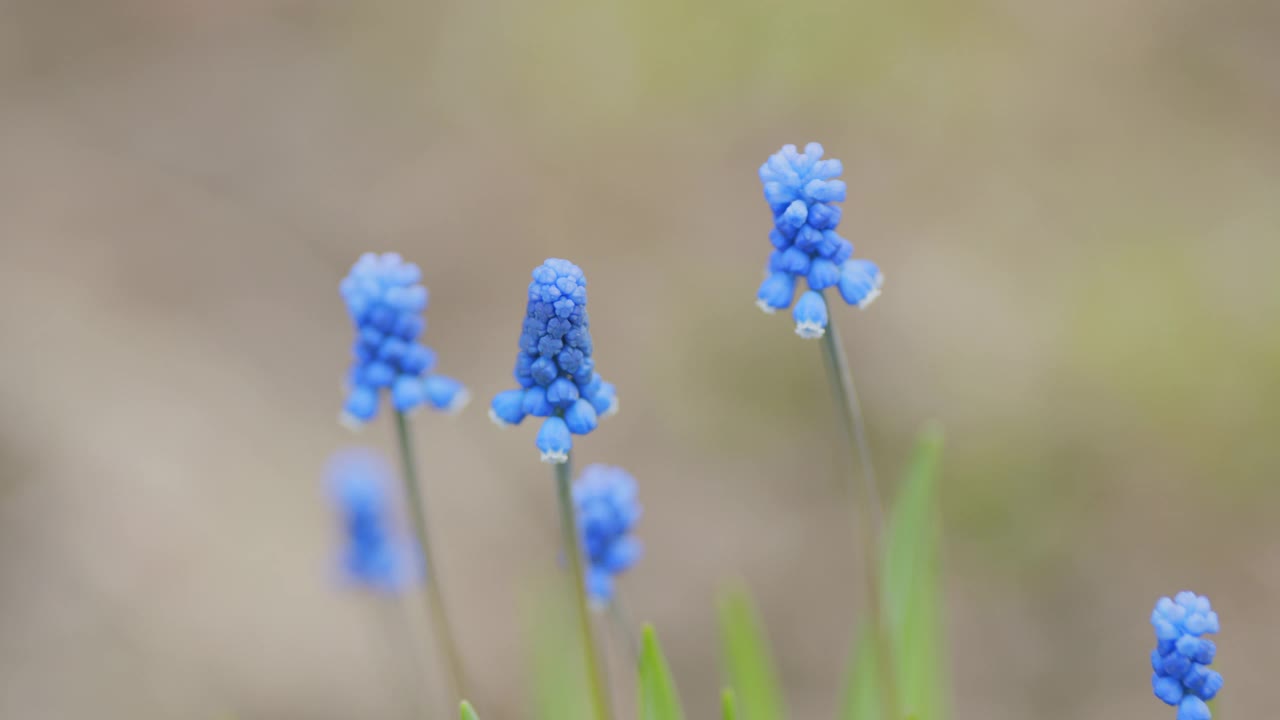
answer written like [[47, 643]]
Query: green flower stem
[[869, 511], [573, 548], [434, 599]]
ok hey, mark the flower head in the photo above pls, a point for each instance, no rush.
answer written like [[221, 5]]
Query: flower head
[[801, 190], [375, 552], [385, 298], [1182, 654], [554, 367], [604, 500]]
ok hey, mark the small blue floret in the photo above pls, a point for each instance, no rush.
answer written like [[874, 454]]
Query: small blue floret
[[1181, 658], [606, 508], [800, 189], [385, 299], [555, 367]]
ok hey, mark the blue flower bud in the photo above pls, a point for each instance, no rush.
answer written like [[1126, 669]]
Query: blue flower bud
[[360, 407], [1193, 708], [562, 393], [776, 292], [507, 407], [581, 417], [810, 315], [407, 393], [446, 394], [860, 282], [554, 440], [823, 274], [535, 402]]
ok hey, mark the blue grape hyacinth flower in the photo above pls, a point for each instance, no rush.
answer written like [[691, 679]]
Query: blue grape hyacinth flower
[[1182, 655], [385, 299], [604, 500], [555, 369], [802, 190], [375, 554]]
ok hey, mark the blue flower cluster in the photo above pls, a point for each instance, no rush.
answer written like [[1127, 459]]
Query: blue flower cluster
[[385, 298], [557, 376], [604, 500], [375, 554], [1182, 654], [801, 190]]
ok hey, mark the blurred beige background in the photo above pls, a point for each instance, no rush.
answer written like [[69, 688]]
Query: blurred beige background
[[1076, 205]]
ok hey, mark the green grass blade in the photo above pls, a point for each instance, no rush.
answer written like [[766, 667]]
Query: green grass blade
[[728, 705], [467, 712], [658, 697], [912, 585], [862, 686], [747, 660]]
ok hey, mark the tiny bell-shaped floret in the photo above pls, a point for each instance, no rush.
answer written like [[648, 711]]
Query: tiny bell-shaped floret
[[810, 315], [554, 440]]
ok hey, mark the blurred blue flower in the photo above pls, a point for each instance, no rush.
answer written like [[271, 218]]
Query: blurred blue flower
[[605, 504], [554, 367], [1182, 655], [375, 554], [385, 298], [801, 190]]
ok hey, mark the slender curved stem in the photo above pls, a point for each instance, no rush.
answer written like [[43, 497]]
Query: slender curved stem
[[434, 599], [869, 512], [622, 620], [573, 548]]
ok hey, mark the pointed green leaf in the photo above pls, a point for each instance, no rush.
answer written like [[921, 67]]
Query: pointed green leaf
[[912, 586], [747, 660], [862, 685], [658, 697], [728, 705], [467, 712]]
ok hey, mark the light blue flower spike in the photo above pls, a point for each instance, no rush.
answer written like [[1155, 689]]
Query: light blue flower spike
[[810, 315], [375, 554], [801, 189], [555, 367], [385, 299], [1182, 655], [606, 508]]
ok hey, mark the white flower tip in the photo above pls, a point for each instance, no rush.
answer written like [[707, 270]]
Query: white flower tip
[[612, 409], [766, 307], [350, 422], [870, 298], [498, 420], [810, 330], [460, 400], [555, 457]]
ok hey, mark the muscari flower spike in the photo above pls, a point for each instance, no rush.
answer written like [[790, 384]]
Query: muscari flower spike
[[1182, 654], [555, 370], [604, 500], [801, 190], [385, 298], [375, 554]]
